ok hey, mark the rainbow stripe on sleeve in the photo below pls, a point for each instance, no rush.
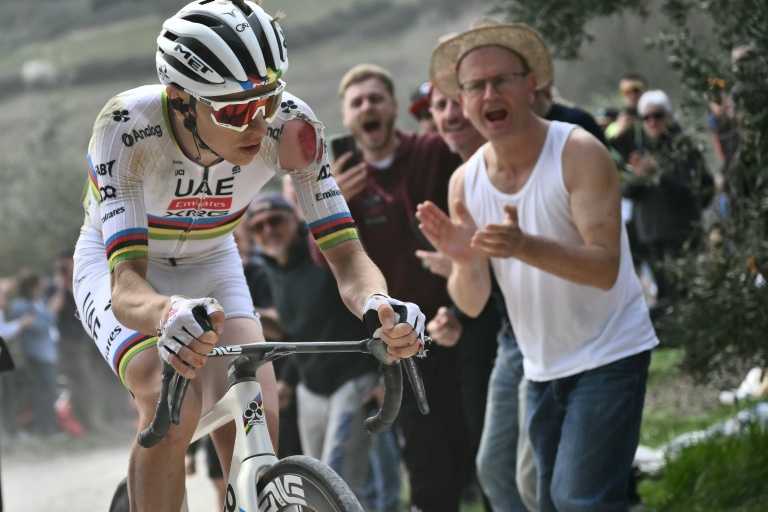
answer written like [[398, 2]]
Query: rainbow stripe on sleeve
[[333, 230], [127, 244]]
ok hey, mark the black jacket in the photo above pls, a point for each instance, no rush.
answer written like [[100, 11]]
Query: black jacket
[[669, 200], [310, 307]]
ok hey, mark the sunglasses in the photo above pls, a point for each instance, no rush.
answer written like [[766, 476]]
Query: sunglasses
[[236, 115], [631, 88], [273, 222], [658, 116]]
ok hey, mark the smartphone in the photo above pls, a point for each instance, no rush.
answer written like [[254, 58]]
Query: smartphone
[[342, 144]]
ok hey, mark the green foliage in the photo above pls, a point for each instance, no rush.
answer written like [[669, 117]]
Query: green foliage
[[563, 23], [722, 321], [724, 473]]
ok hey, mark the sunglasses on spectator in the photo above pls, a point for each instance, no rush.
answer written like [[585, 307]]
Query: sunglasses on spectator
[[273, 222], [631, 88], [658, 116], [236, 115]]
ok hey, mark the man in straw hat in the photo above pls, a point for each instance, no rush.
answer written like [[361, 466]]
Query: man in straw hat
[[545, 195]]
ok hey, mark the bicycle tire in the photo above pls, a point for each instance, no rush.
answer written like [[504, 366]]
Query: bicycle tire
[[301, 483]]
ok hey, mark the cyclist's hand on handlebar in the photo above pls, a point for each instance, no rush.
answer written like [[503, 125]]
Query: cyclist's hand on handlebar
[[190, 332], [403, 339]]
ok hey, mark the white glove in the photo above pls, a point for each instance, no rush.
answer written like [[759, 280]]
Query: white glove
[[187, 320], [404, 312]]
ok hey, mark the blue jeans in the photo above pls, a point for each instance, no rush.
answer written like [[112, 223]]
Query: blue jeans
[[497, 455], [584, 430], [382, 488]]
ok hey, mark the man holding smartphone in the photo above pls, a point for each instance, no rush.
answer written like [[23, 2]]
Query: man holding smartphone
[[396, 171]]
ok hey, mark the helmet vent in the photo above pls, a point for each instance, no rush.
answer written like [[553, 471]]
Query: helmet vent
[[208, 21]]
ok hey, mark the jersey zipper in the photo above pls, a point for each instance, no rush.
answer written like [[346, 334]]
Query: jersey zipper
[[201, 199]]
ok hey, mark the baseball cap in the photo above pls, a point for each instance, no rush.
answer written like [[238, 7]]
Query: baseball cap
[[267, 202], [420, 99]]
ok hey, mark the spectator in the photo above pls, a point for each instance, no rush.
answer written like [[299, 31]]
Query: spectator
[[399, 170], [545, 106], [605, 116], [330, 388], [546, 197], [10, 328], [493, 431], [626, 134], [79, 359], [10, 384], [419, 108], [669, 188], [39, 344]]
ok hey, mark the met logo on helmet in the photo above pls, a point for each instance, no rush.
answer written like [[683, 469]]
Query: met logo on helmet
[[197, 64]]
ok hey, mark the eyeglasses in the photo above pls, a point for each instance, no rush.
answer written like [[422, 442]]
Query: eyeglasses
[[658, 116], [236, 115], [631, 88], [273, 222], [502, 83]]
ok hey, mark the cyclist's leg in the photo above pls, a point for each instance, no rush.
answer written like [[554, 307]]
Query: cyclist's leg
[[156, 476]]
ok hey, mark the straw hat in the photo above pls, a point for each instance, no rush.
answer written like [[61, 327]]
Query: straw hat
[[521, 39]]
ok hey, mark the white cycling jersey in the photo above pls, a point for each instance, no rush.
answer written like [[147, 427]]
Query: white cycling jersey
[[146, 197]]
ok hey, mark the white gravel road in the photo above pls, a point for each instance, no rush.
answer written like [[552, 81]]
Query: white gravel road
[[78, 475]]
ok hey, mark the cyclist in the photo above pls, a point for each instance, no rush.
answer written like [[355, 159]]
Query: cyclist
[[172, 169]]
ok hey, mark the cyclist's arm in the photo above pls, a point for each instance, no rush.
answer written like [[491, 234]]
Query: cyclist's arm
[[135, 303], [358, 277], [356, 274]]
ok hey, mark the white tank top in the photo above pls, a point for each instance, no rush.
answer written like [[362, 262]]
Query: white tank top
[[563, 328]]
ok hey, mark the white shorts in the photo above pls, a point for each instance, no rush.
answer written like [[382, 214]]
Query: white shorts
[[218, 274]]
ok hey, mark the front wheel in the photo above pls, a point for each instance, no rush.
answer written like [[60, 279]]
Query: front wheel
[[301, 483]]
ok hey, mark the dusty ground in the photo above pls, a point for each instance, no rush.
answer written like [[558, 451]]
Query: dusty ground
[[681, 393], [79, 475], [678, 391]]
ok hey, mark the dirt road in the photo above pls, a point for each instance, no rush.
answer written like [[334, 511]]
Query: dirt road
[[78, 475]]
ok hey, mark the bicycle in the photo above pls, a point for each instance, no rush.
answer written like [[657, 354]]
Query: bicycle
[[257, 479]]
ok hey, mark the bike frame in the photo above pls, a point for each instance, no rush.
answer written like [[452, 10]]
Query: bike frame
[[253, 453]]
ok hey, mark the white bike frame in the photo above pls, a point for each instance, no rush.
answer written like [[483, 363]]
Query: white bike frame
[[253, 454]]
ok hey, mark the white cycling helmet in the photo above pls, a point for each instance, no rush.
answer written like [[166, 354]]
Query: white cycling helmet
[[220, 47]]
